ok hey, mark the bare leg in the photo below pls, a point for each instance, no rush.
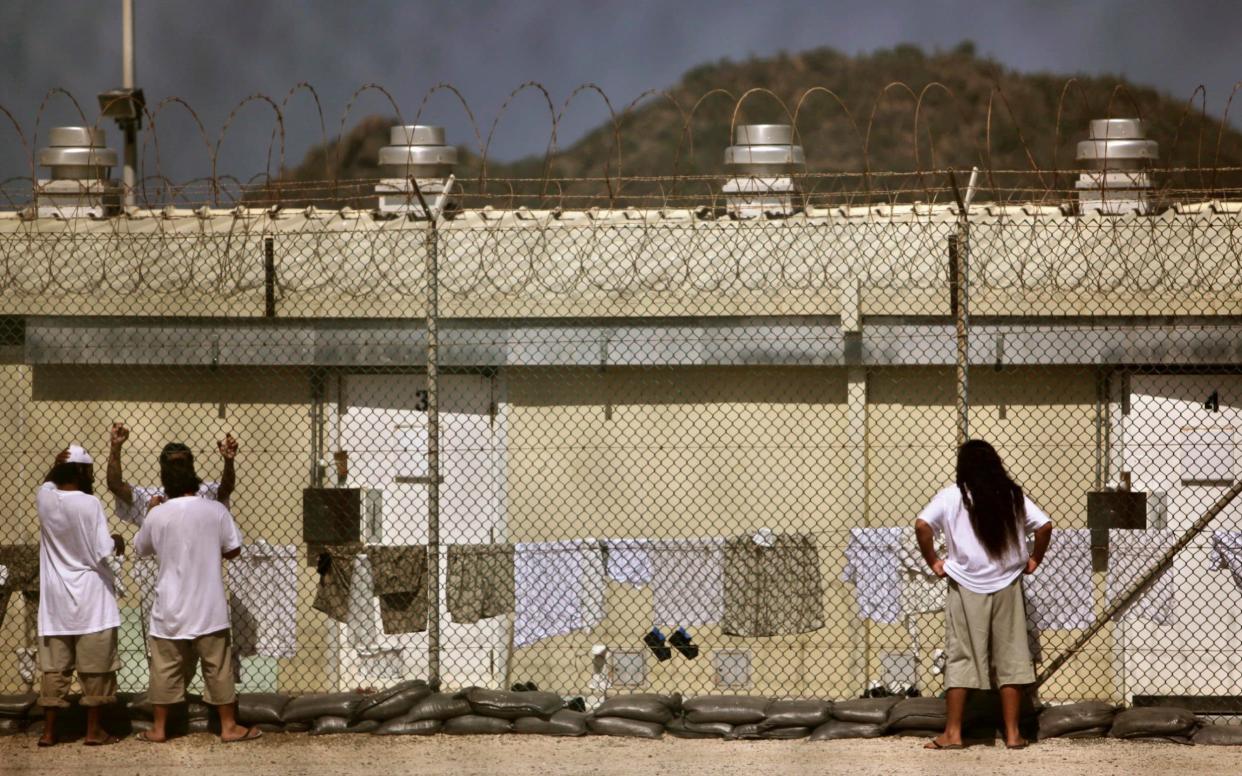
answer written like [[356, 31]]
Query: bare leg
[[1011, 701], [229, 729], [955, 708], [159, 728], [49, 727]]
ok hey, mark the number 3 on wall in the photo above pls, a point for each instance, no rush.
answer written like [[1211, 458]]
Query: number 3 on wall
[[420, 401]]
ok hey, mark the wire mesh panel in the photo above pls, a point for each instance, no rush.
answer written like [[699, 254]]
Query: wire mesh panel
[[613, 450]]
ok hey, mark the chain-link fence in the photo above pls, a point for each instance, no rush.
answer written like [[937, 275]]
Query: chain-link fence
[[643, 448]]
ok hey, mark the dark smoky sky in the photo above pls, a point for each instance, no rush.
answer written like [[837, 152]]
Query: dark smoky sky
[[215, 53]]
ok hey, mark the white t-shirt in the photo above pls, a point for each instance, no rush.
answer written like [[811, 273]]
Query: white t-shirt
[[188, 535], [968, 563], [136, 511], [77, 592]]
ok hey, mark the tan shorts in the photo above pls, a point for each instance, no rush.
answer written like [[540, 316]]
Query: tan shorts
[[174, 661], [984, 631], [93, 655]]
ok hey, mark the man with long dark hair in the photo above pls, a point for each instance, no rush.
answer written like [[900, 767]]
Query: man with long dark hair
[[190, 618], [78, 615], [985, 518]]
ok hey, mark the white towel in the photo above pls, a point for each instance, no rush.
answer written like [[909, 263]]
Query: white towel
[[922, 592], [1060, 594], [366, 629], [143, 574], [873, 566], [1227, 553], [1132, 555], [629, 561], [558, 588], [687, 581], [263, 587]]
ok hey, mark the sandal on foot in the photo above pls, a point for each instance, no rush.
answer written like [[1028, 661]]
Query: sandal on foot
[[933, 744], [1022, 745], [142, 736], [44, 744], [251, 735], [106, 741]]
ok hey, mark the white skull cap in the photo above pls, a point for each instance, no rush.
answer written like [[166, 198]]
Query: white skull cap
[[78, 454]]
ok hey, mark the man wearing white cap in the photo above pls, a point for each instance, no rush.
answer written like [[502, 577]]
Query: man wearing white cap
[[78, 615]]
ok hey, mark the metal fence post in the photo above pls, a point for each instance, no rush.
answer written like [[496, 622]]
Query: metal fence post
[[959, 303]]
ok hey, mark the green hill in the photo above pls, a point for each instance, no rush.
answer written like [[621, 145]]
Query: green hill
[[870, 128]]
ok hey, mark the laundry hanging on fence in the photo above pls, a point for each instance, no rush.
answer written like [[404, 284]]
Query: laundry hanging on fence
[[480, 581], [772, 587], [687, 581], [873, 565], [628, 561], [263, 598], [143, 574], [922, 592], [558, 589], [22, 562], [1227, 554], [1061, 594], [399, 576], [1132, 555], [335, 566]]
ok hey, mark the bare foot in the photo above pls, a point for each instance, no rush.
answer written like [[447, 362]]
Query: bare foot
[[47, 739], [1016, 742], [102, 740], [150, 737]]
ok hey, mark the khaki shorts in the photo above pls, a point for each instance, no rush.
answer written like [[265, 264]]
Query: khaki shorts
[[984, 631], [174, 661], [93, 655]]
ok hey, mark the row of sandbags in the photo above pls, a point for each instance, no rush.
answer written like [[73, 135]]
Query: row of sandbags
[[413, 708]]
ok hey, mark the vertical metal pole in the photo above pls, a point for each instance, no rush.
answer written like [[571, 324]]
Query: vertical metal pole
[[433, 441], [127, 81], [269, 277], [959, 301]]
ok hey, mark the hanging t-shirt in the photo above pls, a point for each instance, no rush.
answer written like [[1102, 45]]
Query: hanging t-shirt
[[136, 511], [77, 590], [188, 535], [968, 563]]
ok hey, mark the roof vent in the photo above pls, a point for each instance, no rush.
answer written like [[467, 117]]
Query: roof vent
[[79, 187], [417, 151], [763, 161], [1117, 157]]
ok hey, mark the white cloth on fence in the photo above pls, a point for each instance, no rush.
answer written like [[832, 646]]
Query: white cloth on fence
[[1132, 555], [922, 591], [629, 561], [873, 565], [263, 598], [4, 575], [143, 573], [366, 629], [1227, 554], [1061, 593], [687, 581], [558, 588]]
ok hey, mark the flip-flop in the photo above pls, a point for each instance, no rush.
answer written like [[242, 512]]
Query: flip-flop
[[45, 744], [251, 735], [1022, 745], [108, 741], [141, 735], [935, 745]]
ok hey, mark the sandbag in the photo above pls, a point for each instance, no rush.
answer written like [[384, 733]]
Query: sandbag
[[917, 714], [269, 727], [648, 707], [565, 722], [196, 708], [17, 706], [198, 725], [1059, 720], [141, 725], [404, 727], [511, 705], [1091, 732], [1218, 735], [680, 728], [625, 728], [393, 702], [297, 727], [734, 709], [140, 707], [305, 708], [11, 726], [798, 713], [476, 725], [1152, 722], [872, 711], [439, 706], [330, 724], [255, 708], [748, 732], [838, 729], [785, 733]]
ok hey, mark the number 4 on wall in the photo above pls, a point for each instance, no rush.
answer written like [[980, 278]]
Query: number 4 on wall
[[1213, 402]]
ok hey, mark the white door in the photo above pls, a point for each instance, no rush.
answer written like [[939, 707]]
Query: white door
[[1179, 439], [381, 422]]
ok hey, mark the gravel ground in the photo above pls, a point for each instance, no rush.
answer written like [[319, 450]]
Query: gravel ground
[[529, 755]]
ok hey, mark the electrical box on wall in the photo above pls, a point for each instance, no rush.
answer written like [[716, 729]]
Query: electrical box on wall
[[1109, 509]]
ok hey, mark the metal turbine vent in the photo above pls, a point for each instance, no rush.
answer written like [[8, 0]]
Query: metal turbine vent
[[763, 161], [1117, 157], [79, 162], [417, 152]]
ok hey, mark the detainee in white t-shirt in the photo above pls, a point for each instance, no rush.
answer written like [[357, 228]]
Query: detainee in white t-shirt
[[78, 615], [133, 501], [190, 617], [985, 518]]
